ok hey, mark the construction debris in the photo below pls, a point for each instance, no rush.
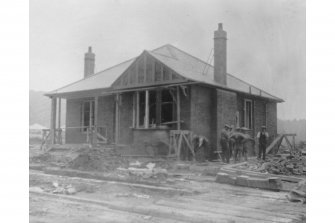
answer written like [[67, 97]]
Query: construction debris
[[283, 164], [286, 165], [298, 193]]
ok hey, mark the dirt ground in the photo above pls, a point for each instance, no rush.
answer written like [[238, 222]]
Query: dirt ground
[[185, 193]]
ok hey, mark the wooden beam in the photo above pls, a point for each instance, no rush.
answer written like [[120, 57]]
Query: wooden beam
[[146, 117], [134, 110], [117, 118], [53, 119], [137, 109], [178, 108], [158, 107], [59, 112], [95, 132], [136, 72], [145, 68]]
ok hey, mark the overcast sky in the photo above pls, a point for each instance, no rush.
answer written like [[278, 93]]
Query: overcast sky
[[266, 39]]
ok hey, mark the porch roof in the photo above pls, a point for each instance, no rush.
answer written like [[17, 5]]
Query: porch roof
[[181, 62]]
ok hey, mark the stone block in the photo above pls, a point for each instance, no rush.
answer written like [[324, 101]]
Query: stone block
[[258, 183], [242, 181], [225, 178]]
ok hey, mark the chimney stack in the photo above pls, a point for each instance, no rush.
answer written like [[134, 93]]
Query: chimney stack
[[89, 63], [220, 56]]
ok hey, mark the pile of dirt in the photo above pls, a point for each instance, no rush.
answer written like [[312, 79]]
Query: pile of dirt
[[41, 158], [98, 159], [286, 165]]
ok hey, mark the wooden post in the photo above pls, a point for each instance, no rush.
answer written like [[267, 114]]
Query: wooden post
[[117, 118], [146, 117], [59, 131], [137, 109], [134, 110], [158, 107], [136, 71], [293, 139], [145, 68], [178, 108], [95, 128], [53, 119]]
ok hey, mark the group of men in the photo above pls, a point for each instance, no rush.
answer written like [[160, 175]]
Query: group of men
[[232, 142]]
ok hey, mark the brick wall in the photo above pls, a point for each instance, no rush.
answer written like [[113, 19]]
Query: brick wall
[[185, 110], [106, 115], [106, 119], [201, 111], [73, 135], [259, 115], [271, 118], [226, 107], [126, 119]]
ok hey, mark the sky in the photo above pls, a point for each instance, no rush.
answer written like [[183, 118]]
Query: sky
[[266, 39]]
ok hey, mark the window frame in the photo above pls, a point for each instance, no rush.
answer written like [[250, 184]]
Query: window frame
[[251, 121], [84, 128]]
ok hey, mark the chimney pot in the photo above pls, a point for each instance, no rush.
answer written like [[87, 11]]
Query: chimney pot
[[220, 26]]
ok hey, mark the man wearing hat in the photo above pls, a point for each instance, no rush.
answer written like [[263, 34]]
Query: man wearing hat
[[262, 137], [224, 142]]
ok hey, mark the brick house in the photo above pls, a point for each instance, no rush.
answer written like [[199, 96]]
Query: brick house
[[164, 89]]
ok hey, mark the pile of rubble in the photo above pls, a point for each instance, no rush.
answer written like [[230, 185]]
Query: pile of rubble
[[56, 188], [98, 159], [284, 164]]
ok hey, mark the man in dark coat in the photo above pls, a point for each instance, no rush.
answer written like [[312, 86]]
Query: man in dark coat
[[224, 142], [262, 137]]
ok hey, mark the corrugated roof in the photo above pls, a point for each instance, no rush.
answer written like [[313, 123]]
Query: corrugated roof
[[181, 62]]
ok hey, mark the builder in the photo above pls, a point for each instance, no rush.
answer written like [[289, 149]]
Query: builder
[[262, 137], [224, 142]]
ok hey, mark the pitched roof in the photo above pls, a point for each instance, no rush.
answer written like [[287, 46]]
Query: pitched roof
[[181, 62]]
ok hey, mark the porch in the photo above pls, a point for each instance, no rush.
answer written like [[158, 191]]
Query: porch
[[142, 118]]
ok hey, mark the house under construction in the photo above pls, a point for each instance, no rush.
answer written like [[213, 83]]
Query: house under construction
[[160, 92]]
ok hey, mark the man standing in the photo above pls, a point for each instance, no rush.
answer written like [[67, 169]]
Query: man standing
[[262, 137], [224, 142]]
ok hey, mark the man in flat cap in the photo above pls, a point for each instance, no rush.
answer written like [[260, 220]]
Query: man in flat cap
[[262, 137]]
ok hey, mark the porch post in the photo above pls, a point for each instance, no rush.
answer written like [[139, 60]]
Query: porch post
[[158, 107], [178, 108], [95, 132], [53, 119], [146, 117], [59, 131], [117, 118], [134, 110], [137, 109]]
